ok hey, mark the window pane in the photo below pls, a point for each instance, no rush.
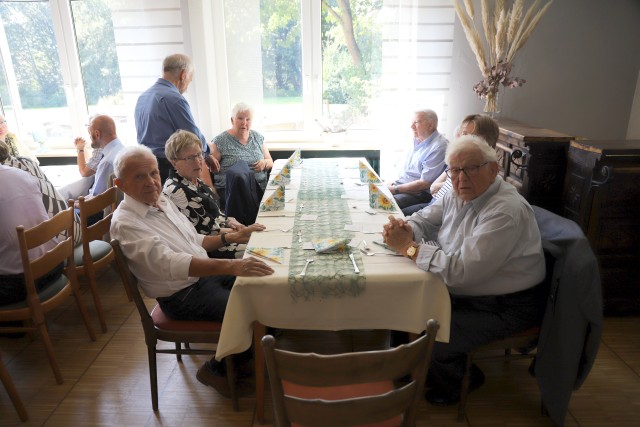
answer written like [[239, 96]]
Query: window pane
[[264, 54], [351, 62], [31, 40], [98, 58]]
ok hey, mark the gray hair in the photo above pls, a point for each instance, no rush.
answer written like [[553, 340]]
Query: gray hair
[[178, 141], [176, 63], [466, 142], [130, 152], [239, 108], [430, 115]]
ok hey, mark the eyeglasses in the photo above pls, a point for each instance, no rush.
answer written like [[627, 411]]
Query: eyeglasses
[[470, 171], [3, 122], [198, 156]]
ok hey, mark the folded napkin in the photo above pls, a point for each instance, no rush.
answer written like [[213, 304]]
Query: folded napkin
[[297, 159], [273, 254], [275, 201], [367, 174], [330, 245], [377, 199], [282, 177]]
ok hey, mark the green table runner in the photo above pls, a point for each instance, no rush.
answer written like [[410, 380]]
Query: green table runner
[[330, 275]]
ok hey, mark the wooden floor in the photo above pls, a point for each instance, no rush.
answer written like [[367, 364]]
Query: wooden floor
[[107, 381]]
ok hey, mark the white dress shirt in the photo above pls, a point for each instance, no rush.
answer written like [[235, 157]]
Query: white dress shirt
[[489, 246], [158, 243]]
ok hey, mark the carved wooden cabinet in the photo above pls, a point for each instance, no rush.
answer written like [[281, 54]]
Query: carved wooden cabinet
[[534, 161], [602, 194]]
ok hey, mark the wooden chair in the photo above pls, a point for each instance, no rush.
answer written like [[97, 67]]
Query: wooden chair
[[95, 253], [13, 392], [159, 327], [36, 305], [349, 388], [525, 340]]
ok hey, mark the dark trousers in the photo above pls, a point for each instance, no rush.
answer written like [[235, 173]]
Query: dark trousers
[[242, 194], [206, 299], [405, 199], [479, 320], [12, 288]]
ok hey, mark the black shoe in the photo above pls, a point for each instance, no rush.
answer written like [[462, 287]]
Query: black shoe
[[444, 397], [440, 397]]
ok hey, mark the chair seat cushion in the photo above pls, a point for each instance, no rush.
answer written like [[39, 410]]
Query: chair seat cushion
[[163, 321], [343, 392], [48, 292], [98, 249]]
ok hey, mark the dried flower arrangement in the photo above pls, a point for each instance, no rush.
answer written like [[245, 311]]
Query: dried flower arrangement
[[506, 30]]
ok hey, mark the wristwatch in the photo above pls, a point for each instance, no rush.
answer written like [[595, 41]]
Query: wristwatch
[[223, 238], [395, 188], [411, 250]]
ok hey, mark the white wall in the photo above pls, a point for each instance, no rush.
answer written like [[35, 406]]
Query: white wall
[[581, 65]]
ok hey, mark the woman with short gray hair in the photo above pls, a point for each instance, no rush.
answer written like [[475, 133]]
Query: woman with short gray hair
[[193, 197]]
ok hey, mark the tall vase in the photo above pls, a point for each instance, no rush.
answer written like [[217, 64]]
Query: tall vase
[[491, 106]]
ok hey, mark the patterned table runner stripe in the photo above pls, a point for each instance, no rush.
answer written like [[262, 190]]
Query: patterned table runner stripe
[[330, 275]]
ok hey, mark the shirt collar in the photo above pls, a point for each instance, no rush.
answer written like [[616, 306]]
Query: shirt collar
[[142, 209], [479, 202], [427, 140]]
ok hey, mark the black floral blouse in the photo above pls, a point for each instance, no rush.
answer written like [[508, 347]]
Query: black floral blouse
[[200, 204]]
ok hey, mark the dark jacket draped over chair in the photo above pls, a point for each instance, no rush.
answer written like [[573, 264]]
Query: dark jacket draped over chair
[[572, 324]]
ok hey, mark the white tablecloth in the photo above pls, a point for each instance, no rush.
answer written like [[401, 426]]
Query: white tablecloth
[[397, 295]]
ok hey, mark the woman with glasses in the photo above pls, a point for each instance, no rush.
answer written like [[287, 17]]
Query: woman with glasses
[[196, 200]]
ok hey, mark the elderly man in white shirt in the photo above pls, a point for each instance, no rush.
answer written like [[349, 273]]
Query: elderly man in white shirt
[[169, 257], [484, 243]]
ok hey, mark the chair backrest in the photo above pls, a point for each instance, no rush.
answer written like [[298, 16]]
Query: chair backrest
[[92, 206], [131, 284], [39, 235], [350, 388]]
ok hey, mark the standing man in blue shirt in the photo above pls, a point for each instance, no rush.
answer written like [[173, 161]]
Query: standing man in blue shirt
[[162, 109], [425, 161]]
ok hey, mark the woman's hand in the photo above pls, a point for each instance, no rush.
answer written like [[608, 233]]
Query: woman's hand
[[261, 165], [212, 163], [242, 236], [234, 225]]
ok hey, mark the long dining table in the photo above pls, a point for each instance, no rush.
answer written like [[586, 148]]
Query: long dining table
[[325, 199]]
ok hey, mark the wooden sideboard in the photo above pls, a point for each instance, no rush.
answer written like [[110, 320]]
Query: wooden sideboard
[[602, 194], [534, 160]]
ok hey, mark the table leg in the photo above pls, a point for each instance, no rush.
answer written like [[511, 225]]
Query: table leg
[[259, 330]]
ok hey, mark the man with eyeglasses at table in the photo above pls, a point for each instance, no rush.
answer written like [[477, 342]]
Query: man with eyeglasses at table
[[483, 242]]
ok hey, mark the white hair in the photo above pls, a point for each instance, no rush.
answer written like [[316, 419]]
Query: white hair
[[466, 142], [129, 152], [241, 107]]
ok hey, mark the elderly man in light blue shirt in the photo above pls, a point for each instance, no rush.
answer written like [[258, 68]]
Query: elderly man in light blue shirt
[[483, 241], [424, 163], [162, 109]]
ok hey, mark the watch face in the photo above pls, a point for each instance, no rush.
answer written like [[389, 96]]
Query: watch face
[[411, 251]]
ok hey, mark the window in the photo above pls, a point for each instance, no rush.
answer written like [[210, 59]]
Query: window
[[306, 66], [41, 103]]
